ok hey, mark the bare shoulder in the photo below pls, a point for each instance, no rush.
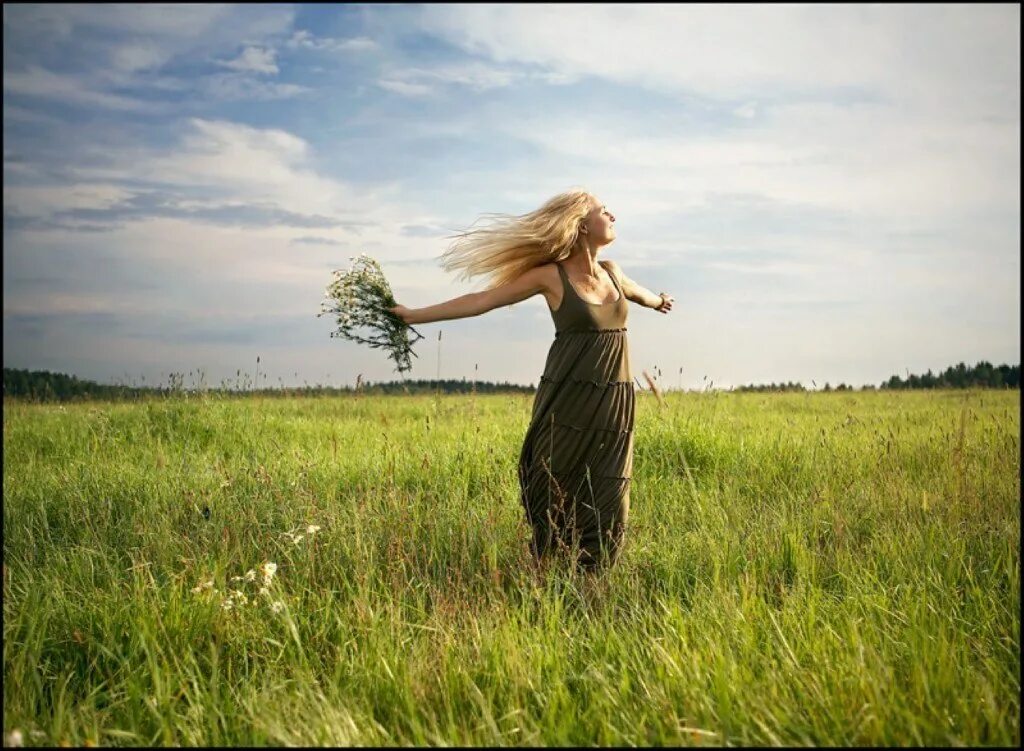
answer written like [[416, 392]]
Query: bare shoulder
[[551, 283], [627, 284], [537, 279], [613, 267], [547, 273]]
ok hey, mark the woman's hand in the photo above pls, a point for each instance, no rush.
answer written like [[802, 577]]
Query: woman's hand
[[667, 306], [402, 312]]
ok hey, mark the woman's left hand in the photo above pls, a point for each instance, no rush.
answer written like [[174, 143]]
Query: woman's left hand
[[668, 303], [402, 312]]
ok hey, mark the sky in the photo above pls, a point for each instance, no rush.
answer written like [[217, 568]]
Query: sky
[[830, 193]]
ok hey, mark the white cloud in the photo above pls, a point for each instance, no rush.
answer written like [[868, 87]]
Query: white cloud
[[242, 166], [38, 82], [935, 56], [868, 159], [255, 60], [127, 43], [60, 21], [896, 139], [138, 56], [41, 201], [238, 86], [303, 39], [406, 89], [475, 76], [747, 110], [249, 164]]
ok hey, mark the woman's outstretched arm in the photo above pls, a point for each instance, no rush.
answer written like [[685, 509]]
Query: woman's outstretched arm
[[525, 285]]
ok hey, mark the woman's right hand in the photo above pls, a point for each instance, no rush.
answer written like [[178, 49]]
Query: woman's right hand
[[402, 312]]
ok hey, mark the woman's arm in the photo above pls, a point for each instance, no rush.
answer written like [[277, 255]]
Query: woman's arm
[[458, 307], [525, 285], [639, 294]]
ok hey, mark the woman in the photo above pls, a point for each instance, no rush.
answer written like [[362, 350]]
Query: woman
[[576, 463]]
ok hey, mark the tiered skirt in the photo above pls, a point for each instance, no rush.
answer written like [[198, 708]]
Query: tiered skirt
[[576, 464]]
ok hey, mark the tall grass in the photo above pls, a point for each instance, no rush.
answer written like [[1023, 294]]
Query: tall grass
[[801, 569]]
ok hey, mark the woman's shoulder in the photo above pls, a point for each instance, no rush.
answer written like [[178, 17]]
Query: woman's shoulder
[[548, 270], [611, 267], [550, 280]]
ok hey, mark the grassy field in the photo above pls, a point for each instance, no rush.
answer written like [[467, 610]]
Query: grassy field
[[821, 568]]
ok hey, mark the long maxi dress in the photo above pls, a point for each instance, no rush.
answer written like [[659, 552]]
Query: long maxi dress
[[576, 464]]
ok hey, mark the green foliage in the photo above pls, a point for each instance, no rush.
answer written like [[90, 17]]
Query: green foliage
[[983, 375], [800, 569], [360, 300], [43, 386]]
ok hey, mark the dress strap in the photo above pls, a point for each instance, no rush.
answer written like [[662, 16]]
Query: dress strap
[[567, 289], [612, 275]]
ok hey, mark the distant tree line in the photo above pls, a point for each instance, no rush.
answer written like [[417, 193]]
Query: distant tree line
[[959, 376], [788, 386], [445, 386], [44, 386]]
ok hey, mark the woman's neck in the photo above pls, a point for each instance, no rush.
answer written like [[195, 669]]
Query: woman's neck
[[583, 263]]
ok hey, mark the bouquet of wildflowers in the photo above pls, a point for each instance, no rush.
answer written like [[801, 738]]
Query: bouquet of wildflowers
[[360, 298]]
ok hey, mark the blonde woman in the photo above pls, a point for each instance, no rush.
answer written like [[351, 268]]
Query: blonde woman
[[576, 463]]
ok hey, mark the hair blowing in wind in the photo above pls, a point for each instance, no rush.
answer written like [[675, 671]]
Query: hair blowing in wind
[[514, 244]]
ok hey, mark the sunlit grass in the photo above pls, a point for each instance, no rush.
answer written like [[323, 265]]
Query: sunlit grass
[[837, 569]]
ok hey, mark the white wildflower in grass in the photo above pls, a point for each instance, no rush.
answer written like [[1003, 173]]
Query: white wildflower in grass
[[297, 538], [264, 591], [312, 529], [203, 585], [361, 298], [268, 570], [235, 598], [277, 606], [14, 739], [250, 575]]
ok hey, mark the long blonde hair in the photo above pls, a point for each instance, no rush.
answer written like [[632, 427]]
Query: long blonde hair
[[516, 244]]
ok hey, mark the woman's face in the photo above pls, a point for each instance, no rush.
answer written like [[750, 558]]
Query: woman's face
[[599, 224]]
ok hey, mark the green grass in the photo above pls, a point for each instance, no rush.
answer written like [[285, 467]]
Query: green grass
[[801, 569]]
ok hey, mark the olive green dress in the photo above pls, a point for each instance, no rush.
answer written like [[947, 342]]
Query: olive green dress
[[576, 463]]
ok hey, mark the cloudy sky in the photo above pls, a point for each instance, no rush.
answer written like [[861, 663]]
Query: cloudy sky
[[830, 193]]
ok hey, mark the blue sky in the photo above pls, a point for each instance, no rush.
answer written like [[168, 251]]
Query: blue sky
[[830, 193]]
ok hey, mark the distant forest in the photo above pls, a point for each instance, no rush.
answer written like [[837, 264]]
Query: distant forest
[[959, 376], [43, 386]]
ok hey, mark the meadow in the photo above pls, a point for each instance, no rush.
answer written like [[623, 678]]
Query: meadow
[[801, 569]]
